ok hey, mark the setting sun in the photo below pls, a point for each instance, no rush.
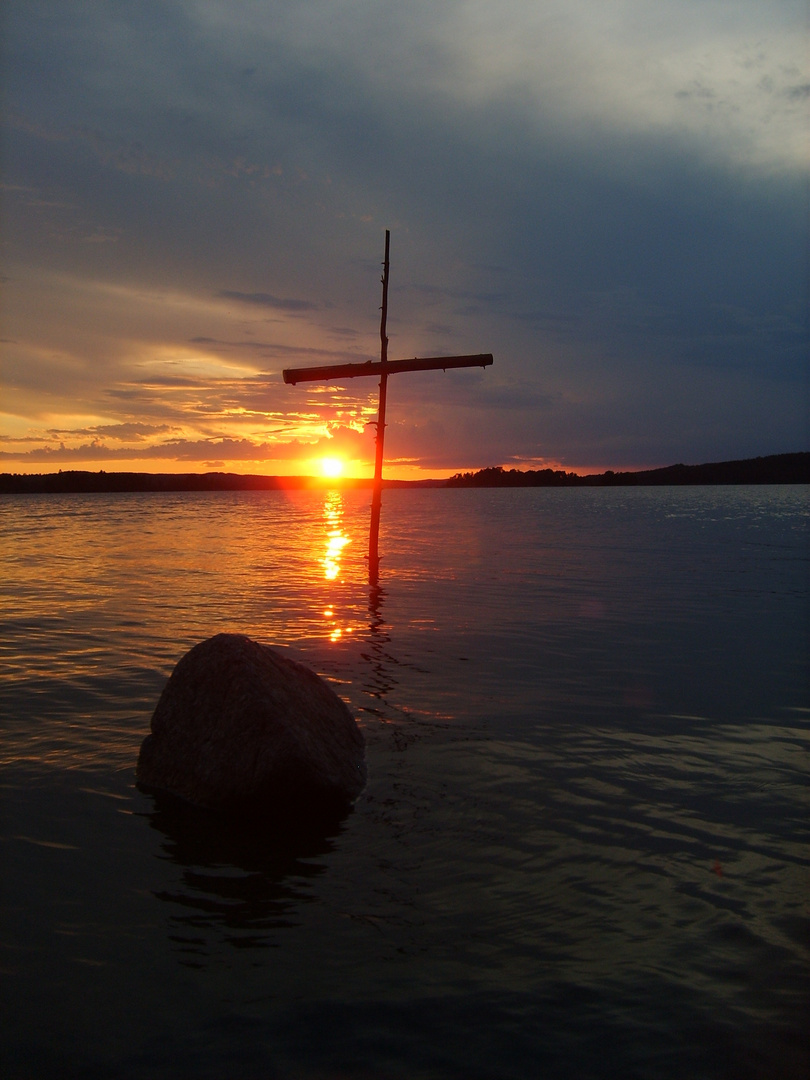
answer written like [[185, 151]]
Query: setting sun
[[331, 467]]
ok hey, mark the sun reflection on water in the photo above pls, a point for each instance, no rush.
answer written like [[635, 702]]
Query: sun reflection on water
[[336, 541]]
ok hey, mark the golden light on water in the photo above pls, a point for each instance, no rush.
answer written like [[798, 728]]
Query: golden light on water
[[335, 543], [336, 540]]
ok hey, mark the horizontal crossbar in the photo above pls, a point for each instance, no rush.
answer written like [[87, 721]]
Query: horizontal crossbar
[[333, 372]]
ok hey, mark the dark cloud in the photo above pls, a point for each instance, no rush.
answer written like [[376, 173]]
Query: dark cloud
[[120, 432], [276, 348], [266, 300]]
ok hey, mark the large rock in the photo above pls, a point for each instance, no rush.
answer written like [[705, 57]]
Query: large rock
[[241, 729]]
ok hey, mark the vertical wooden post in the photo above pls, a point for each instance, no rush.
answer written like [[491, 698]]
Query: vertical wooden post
[[376, 497]]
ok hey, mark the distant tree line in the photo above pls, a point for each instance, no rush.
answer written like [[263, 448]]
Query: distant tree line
[[776, 469], [77, 481], [498, 477]]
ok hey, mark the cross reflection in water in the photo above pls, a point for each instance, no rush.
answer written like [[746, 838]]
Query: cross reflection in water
[[380, 681]]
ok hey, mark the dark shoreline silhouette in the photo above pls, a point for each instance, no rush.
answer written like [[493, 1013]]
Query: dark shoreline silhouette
[[774, 469]]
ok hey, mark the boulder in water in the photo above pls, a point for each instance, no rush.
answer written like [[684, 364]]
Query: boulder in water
[[241, 729]]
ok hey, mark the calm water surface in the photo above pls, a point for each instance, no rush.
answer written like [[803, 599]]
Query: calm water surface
[[583, 848]]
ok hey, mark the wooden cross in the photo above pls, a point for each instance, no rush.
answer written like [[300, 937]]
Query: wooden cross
[[384, 367]]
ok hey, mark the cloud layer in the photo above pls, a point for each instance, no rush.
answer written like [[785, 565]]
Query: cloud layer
[[611, 198]]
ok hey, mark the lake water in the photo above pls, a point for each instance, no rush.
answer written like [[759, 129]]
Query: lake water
[[583, 848]]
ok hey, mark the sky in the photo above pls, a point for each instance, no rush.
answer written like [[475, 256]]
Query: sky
[[610, 196]]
